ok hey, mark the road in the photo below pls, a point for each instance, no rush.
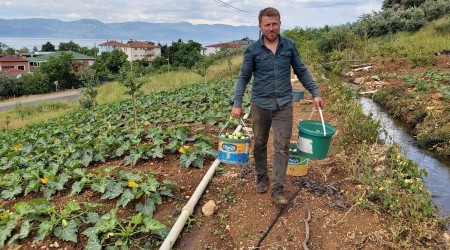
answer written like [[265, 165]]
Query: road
[[30, 100]]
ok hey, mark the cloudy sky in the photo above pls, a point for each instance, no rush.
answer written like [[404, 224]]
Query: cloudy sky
[[294, 13]]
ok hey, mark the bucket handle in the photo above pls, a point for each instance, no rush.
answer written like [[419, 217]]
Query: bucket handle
[[321, 118], [243, 125]]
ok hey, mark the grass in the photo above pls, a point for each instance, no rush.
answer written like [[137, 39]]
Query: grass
[[418, 45], [23, 115], [108, 93], [384, 180]]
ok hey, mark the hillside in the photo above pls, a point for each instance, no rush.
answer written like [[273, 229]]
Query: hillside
[[94, 29]]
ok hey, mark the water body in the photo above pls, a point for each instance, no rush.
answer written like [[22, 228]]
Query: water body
[[18, 43]]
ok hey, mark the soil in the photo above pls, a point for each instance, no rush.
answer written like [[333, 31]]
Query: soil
[[243, 216]]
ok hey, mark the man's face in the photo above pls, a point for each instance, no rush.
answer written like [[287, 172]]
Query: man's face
[[270, 27]]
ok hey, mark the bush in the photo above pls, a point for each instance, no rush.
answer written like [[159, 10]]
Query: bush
[[36, 83], [9, 86]]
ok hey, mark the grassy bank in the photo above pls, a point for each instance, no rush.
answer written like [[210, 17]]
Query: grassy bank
[[381, 179]]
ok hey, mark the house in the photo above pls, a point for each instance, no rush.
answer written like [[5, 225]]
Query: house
[[236, 44], [77, 59], [13, 65], [214, 48], [108, 46], [135, 50]]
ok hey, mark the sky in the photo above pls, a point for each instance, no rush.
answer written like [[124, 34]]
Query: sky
[[294, 13]]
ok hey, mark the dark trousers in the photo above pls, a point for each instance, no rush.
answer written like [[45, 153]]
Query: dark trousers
[[280, 121]]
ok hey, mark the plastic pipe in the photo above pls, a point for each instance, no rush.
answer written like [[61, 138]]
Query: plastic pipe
[[188, 209]]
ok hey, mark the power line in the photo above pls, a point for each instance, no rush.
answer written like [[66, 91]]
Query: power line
[[234, 8]]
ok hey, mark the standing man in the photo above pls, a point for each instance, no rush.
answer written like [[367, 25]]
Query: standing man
[[269, 60]]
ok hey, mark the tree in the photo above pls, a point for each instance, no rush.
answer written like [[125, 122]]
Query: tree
[[10, 51], [48, 47], [3, 48], [70, 46], [23, 50], [133, 84], [58, 69], [35, 49], [90, 89], [115, 61]]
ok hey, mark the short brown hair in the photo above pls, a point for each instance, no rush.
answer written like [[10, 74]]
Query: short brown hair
[[269, 11]]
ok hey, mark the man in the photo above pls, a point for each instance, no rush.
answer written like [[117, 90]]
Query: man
[[269, 60]]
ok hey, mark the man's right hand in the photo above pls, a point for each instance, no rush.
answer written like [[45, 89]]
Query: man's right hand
[[236, 112]]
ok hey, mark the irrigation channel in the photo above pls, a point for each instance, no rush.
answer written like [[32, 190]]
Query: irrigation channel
[[438, 179]]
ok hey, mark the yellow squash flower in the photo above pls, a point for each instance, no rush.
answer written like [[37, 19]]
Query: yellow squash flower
[[17, 146], [133, 184], [44, 180]]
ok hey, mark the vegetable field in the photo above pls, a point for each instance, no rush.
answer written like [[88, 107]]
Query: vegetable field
[[56, 156]]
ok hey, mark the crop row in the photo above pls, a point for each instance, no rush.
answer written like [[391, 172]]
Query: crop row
[[56, 148]]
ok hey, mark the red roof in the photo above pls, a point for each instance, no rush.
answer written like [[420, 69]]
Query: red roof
[[138, 44], [112, 43], [8, 58]]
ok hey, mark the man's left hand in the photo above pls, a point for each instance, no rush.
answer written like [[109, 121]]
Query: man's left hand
[[318, 102]]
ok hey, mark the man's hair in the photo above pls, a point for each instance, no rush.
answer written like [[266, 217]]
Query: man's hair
[[269, 11]]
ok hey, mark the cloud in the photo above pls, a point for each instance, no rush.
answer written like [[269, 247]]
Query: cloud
[[301, 13]]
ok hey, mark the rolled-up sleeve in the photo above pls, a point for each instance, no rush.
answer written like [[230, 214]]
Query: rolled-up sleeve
[[245, 74], [303, 74]]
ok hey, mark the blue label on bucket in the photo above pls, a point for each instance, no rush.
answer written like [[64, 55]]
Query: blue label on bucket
[[229, 147], [294, 160], [232, 158]]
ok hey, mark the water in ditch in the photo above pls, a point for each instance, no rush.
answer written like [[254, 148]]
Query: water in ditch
[[438, 179]]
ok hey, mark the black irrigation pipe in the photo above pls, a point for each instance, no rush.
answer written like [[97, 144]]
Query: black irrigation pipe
[[280, 212]]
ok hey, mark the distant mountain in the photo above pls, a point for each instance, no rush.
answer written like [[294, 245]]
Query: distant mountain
[[94, 29]]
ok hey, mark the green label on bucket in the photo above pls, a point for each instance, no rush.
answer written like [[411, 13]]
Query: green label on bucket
[[305, 145]]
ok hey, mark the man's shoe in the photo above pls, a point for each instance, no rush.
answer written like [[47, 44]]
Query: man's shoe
[[262, 183], [278, 197]]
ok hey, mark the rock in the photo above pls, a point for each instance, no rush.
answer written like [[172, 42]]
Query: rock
[[359, 80], [56, 244], [375, 77], [437, 96], [209, 208], [350, 74]]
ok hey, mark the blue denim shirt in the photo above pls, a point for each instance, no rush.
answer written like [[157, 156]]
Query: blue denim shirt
[[272, 74]]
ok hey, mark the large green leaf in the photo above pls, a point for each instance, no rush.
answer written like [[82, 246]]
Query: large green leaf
[[70, 207], [11, 193], [45, 228], [93, 243], [153, 226], [126, 197], [24, 231], [113, 190], [99, 185], [146, 209], [5, 231], [67, 233]]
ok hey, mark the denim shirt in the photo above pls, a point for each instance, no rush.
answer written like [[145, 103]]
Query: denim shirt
[[272, 87]]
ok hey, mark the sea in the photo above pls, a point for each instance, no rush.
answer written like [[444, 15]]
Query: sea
[[30, 43]]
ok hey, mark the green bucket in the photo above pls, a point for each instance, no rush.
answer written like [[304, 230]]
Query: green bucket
[[312, 142]]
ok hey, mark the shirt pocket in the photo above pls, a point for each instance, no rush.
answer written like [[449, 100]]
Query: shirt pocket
[[285, 56], [264, 62]]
